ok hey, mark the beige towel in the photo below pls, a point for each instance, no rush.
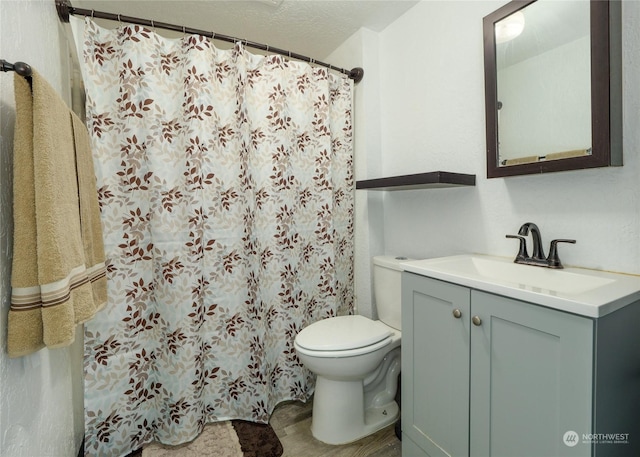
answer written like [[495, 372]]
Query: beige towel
[[521, 160], [567, 154], [58, 277]]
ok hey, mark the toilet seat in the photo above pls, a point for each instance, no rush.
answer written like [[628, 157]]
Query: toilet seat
[[344, 353], [343, 336]]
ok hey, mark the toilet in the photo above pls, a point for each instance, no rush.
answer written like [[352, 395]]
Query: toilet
[[357, 362]]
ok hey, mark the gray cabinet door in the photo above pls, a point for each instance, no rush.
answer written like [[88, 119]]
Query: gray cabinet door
[[531, 380], [435, 366]]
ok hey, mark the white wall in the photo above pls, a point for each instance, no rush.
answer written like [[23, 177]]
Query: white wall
[[362, 50], [432, 118], [41, 395]]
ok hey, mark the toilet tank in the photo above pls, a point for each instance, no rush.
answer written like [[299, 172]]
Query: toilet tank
[[387, 276]]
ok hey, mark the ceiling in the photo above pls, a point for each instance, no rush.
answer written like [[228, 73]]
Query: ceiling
[[313, 28], [547, 25]]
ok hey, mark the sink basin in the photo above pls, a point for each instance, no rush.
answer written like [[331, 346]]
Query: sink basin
[[535, 278], [587, 292]]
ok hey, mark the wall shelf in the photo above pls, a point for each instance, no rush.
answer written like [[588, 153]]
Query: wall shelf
[[431, 180]]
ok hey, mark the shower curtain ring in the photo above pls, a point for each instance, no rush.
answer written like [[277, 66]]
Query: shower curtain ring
[[184, 30], [153, 26], [120, 21], [92, 12]]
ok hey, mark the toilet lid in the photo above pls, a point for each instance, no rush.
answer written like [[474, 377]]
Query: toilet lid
[[342, 333]]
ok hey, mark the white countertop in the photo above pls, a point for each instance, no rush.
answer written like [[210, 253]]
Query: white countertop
[[589, 293]]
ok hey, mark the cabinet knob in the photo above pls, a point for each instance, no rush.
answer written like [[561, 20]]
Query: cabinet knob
[[457, 313], [476, 320]]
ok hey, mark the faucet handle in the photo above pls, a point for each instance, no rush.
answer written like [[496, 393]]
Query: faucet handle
[[522, 251], [553, 259]]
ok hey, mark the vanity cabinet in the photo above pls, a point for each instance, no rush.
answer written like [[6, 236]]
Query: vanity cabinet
[[486, 375], [435, 367]]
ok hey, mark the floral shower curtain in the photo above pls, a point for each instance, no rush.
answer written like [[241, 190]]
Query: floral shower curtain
[[226, 191]]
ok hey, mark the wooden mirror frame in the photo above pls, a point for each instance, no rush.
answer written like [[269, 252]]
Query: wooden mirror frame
[[606, 93]]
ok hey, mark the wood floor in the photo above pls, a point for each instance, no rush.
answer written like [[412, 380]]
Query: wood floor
[[292, 424]]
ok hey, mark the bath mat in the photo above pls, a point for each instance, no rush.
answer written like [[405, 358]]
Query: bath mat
[[224, 439], [257, 440]]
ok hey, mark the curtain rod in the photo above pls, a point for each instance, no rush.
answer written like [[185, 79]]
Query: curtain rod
[[65, 9], [19, 67]]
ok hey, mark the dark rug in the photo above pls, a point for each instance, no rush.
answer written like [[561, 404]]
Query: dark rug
[[257, 440]]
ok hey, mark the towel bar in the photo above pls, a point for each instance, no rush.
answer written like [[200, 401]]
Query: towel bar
[[19, 67]]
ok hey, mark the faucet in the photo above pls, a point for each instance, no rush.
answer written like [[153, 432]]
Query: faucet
[[538, 251], [537, 258]]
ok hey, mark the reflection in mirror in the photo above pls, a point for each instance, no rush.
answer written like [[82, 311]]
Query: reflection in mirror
[[544, 84], [553, 86]]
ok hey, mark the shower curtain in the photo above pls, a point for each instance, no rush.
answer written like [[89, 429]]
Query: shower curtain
[[226, 192]]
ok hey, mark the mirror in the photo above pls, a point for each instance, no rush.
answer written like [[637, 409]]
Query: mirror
[[553, 86]]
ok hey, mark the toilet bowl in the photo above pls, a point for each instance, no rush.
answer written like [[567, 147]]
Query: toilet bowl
[[357, 362]]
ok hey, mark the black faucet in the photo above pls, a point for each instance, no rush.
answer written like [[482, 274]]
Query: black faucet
[[538, 251], [537, 258]]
